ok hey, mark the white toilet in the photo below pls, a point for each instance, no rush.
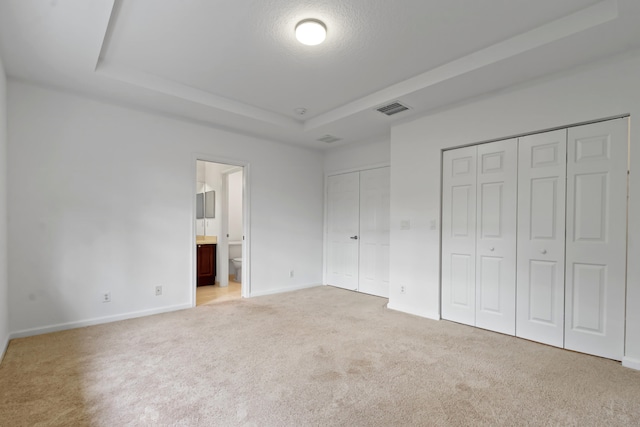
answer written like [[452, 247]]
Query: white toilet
[[235, 257], [237, 264]]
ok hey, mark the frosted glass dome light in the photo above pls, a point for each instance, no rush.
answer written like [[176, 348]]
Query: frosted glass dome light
[[311, 32]]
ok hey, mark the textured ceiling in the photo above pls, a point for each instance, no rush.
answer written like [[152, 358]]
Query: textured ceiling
[[237, 65], [248, 52]]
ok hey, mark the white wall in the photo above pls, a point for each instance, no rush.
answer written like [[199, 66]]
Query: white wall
[[200, 188], [235, 184], [101, 199], [209, 178], [4, 287], [599, 91], [235, 206], [213, 179], [358, 156]]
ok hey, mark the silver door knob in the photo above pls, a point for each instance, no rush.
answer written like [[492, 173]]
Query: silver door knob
[[492, 249], [544, 251], [354, 237]]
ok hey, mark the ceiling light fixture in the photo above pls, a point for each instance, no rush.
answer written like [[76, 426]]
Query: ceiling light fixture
[[311, 32]]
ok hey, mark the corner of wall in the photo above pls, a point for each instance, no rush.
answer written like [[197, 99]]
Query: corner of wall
[[631, 363], [4, 276], [410, 310]]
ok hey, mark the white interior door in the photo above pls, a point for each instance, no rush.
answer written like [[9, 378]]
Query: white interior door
[[496, 236], [596, 238], [541, 237], [459, 235], [343, 217], [374, 232]]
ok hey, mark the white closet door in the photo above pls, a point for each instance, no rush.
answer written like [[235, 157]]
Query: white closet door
[[541, 237], [343, 217], [375, 208], [459, 235], [496, 236], [596, 238]]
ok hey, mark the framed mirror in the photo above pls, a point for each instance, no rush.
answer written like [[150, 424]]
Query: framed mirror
[[208, 187]]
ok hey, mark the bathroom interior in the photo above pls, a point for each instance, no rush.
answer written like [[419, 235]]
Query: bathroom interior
[[219, 199]]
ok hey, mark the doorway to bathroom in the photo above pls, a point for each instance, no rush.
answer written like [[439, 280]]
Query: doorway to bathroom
[[220, 233]]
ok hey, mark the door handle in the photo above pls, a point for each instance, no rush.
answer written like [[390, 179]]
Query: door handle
[[354, 237], [492, 249], [544, 251]]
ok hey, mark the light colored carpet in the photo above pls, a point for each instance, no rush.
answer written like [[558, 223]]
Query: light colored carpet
[[321, 356]]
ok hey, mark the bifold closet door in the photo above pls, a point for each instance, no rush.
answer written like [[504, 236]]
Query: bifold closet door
[[596, 238], [343, 222], [570, 237], [541, 237], [459, 235], [479, 235], [496, 236], [375, 206]]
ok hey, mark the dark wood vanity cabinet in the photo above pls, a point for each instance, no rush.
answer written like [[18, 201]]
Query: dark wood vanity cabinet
[[206, 264]]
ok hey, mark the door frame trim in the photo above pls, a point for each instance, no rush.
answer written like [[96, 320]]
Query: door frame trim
[[246, 220]]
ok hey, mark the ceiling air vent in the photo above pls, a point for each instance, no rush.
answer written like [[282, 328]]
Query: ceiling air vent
[[329, 139], [393, 108]]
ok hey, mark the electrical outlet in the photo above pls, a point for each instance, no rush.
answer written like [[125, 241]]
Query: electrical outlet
[[402, 289], [106, 297], [158, 291], [291, 273]]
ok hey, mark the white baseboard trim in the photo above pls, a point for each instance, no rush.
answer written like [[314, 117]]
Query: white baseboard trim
[[95, 321], [629, 362], [410, 310], [282, 290], [5, 346]]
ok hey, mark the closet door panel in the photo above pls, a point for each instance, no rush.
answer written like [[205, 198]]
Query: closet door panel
[[496, 236], [596, 238], [343, 213], [541, 237], [374, 231], [459, 235]]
